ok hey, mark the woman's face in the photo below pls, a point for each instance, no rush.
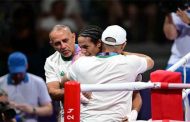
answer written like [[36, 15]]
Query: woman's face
[[88, 48]]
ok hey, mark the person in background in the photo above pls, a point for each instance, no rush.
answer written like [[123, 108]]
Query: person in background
[[177, 29], [57, 16], [27, 93]]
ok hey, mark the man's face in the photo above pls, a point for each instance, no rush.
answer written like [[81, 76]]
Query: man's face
[[18, 77], [64, 42], [88, 48]]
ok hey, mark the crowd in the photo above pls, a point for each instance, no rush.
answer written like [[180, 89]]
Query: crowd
[[25, 25]]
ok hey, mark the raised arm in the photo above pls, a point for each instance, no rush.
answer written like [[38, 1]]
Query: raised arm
[[169, 28]]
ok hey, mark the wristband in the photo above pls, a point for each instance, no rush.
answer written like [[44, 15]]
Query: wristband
[[133, 115]]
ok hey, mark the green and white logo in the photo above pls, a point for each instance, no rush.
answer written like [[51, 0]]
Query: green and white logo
[[62, 73]]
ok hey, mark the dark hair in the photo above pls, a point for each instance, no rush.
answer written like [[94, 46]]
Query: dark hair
[[92, 31]]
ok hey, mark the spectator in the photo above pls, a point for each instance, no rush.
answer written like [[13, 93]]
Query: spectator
[[57, 16], [23, 33], [177, 28], [27, 92]]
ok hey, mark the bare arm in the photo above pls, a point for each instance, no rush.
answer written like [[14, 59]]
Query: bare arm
[[63, 80], [55, 90], [137, 101], [43, 110], [169, 28], [137, 54], [150, 62], [136, 106]]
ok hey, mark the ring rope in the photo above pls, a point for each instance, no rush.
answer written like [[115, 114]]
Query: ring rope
[[72, 108], [131, 86]]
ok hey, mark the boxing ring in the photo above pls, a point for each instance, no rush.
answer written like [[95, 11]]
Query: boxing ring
[[166, 86]]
